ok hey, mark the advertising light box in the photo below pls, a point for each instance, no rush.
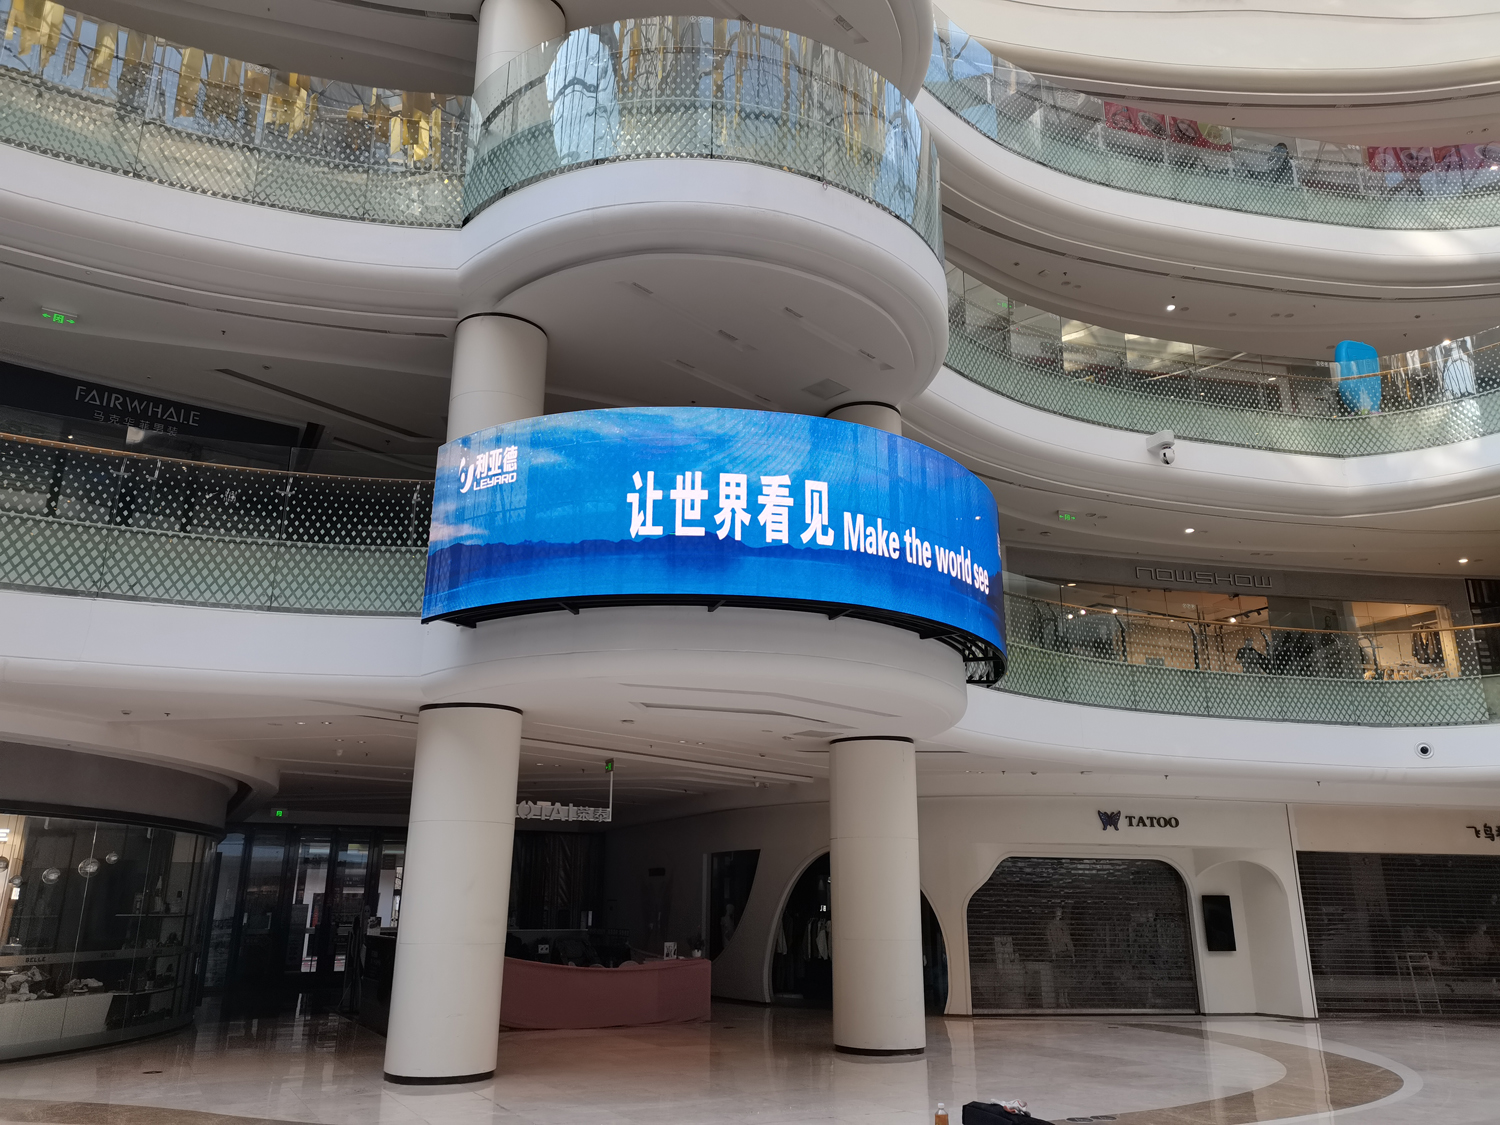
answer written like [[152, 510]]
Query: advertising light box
[[703, 506]]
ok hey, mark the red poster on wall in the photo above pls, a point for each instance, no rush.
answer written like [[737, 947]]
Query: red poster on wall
[[1128, 119], [1395, 160]]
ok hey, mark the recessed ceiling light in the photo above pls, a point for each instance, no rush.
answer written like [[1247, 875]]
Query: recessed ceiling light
[[1188, 530], [1171, 308], [1463, 561]]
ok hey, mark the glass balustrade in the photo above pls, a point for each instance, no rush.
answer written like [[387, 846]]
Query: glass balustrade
[[108, 524], [680, 86], [102, 523], [1111, 657], [90, 91], [1417, 399], [1152, 153]]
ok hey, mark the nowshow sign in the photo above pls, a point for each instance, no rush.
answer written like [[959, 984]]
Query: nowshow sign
[[734, 507]]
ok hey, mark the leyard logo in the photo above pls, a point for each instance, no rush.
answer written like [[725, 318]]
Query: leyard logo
[[1108, 820], [489, 468]]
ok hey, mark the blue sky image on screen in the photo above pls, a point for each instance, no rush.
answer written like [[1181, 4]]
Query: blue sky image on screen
[[730, 503]]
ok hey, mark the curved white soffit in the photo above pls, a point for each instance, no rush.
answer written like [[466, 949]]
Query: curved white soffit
[[115, 231], [59, 642], [1380, 65], [1002, 725], [110, 231], [1000, 436], [1092, 220]]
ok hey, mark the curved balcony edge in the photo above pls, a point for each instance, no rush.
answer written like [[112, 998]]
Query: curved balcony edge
[[1016, 441], [96, 523], [1451, 187], [1046, 733], [1419, 399], [649, 87], [696, 88]]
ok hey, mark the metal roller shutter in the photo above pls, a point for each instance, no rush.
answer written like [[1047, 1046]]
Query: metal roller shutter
[[1410, 934], [1081, 935]]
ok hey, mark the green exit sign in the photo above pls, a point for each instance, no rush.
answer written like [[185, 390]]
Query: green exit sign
[[1067, 517], [57, 317]]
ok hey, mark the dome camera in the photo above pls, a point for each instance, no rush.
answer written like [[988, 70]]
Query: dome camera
[[1424, 749], [1162, 446]]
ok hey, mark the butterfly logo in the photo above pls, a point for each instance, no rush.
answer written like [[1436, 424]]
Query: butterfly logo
[[1108, 820]]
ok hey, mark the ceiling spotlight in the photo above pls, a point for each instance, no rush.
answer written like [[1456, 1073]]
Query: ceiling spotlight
[[1447, 341], [1114, 611], [1462, 561], [1231, 621], [1171, 308], [1188, 530]]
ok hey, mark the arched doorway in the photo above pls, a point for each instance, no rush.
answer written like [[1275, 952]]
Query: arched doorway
[[1081, 935], [802, 965]]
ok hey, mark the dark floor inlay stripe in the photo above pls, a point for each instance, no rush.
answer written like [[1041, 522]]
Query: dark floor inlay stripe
[[97, 1113], [1315, 1082]]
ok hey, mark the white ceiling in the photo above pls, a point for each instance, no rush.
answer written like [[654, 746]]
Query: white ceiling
[[677, 330]]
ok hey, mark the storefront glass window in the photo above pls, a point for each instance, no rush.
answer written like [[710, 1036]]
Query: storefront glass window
[[231, 853], [101, 931]]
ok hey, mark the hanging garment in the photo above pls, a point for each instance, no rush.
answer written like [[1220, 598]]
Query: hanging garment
[[823, 941], [102, 57], [189, 82]]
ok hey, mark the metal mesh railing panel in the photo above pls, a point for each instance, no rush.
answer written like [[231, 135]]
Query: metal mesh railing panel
[[89, 91], [1120, 146], [117, 525], [1142, 662], [1416, 400], [678, 86]]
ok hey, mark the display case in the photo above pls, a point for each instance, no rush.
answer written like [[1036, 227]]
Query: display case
[[102, 930]]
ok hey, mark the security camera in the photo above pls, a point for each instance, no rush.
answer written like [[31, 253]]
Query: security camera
[[1424, 749], [1163, 446]]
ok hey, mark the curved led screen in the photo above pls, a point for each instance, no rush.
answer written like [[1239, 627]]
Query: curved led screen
[[708, 506]]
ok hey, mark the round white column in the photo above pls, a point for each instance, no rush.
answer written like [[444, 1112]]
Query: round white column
[[455, 894], [875, 897], [876, 415], [509, 27], [499, 373]]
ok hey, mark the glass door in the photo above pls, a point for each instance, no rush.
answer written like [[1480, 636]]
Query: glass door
[[309, 891], [348, 899]]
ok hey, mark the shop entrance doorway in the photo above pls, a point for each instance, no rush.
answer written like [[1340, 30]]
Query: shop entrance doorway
[[802, 967], [293, 905], [1081, 935], [1415, 935]]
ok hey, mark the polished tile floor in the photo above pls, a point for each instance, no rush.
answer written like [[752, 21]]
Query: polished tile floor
[[771, 1066]]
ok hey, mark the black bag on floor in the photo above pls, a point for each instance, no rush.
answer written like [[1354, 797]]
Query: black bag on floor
[[992, 1113]]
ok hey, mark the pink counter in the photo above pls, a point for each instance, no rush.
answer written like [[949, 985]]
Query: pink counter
[[557, 996]]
